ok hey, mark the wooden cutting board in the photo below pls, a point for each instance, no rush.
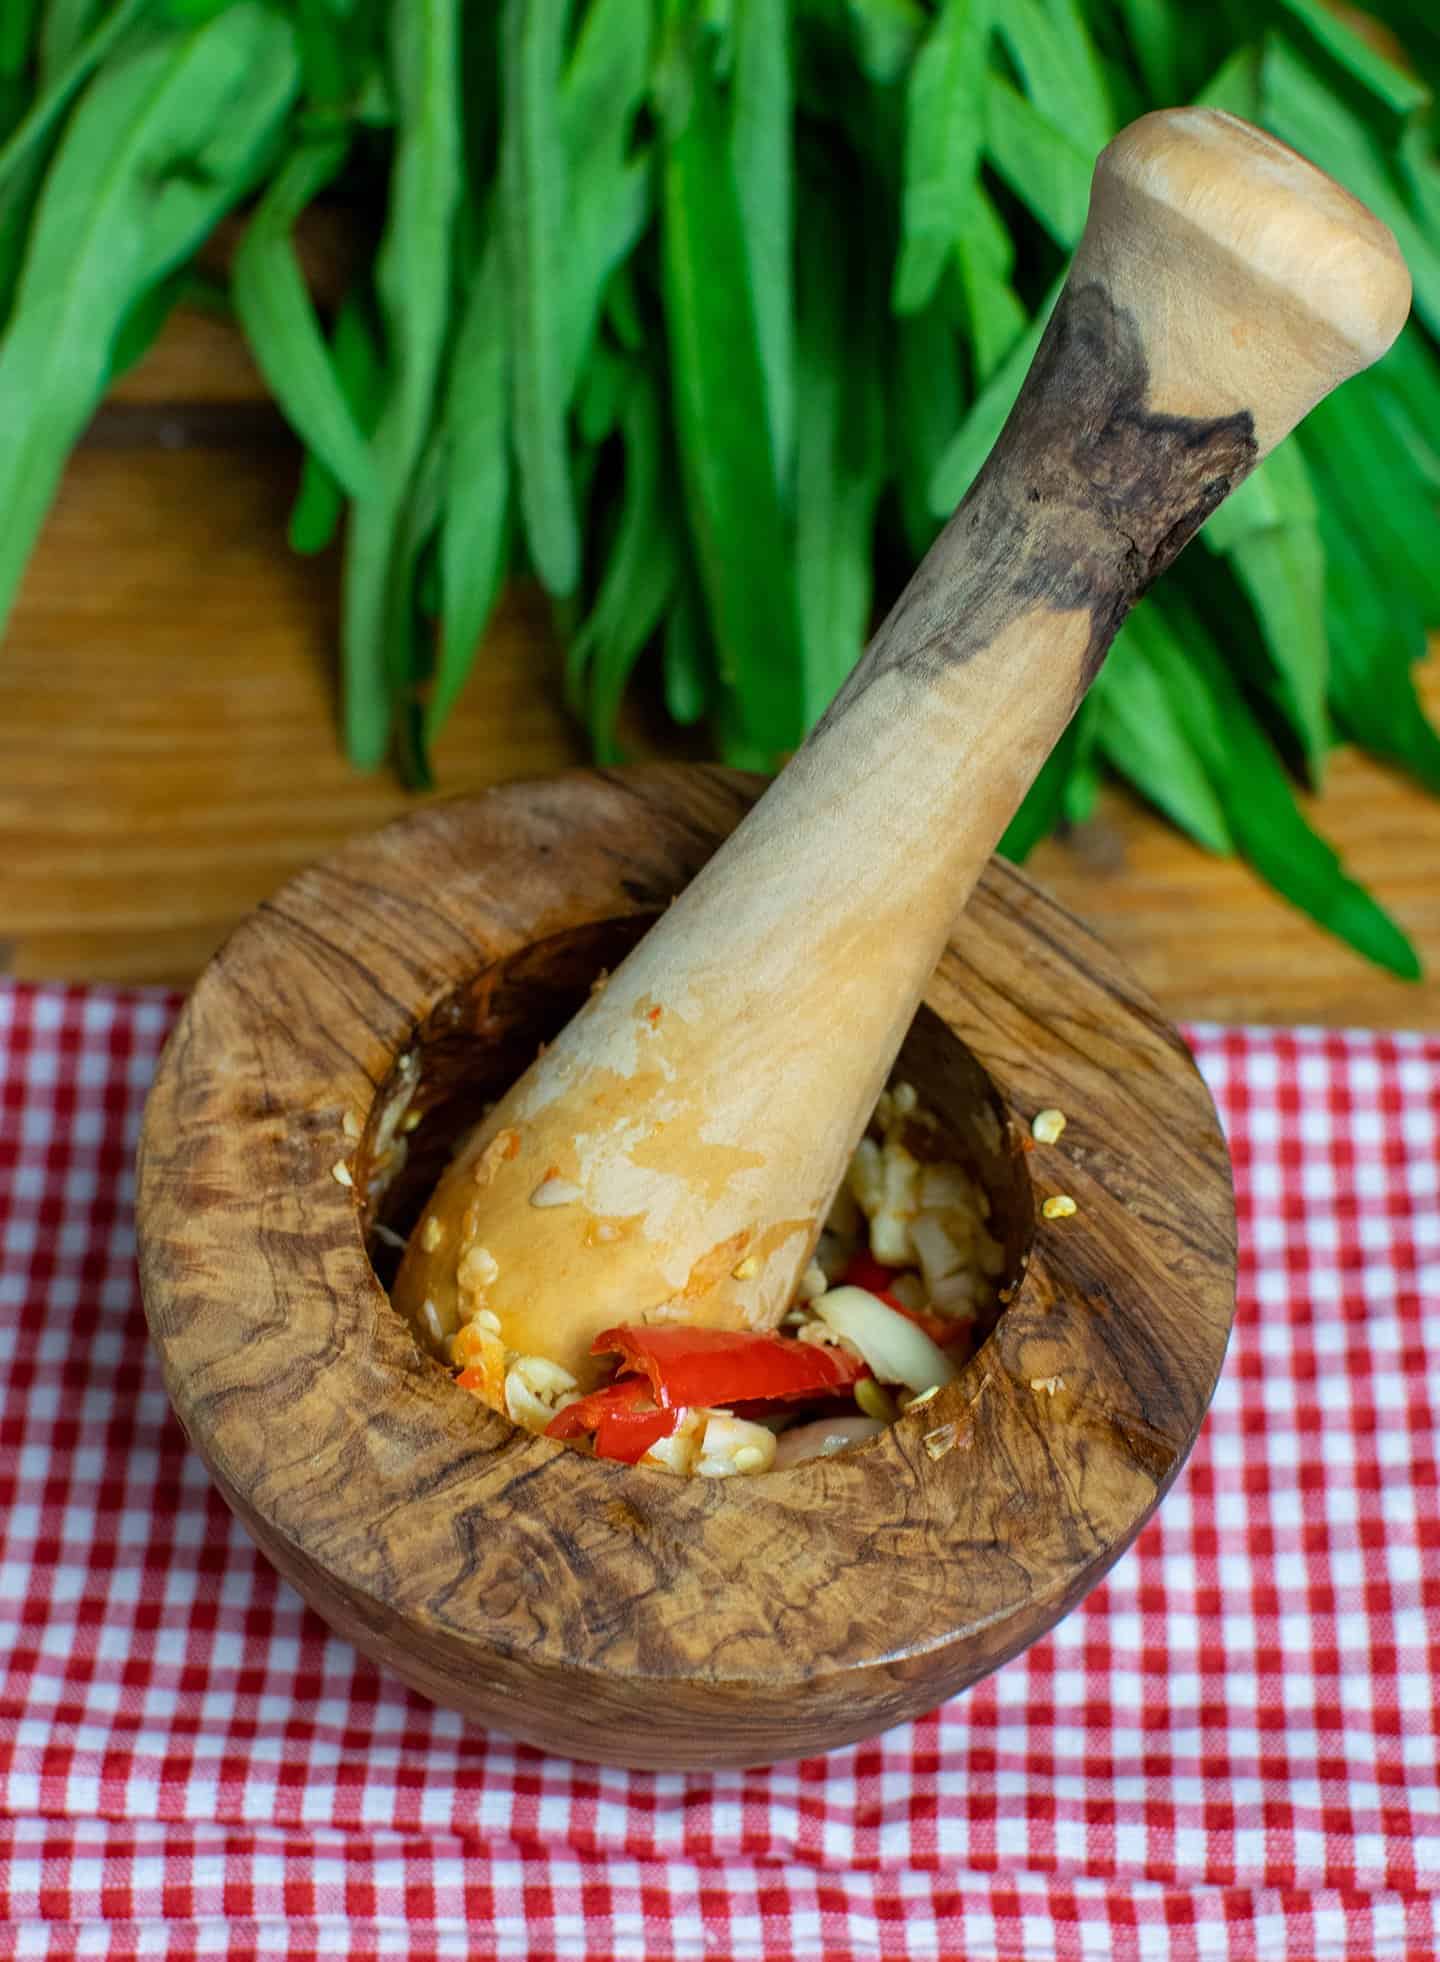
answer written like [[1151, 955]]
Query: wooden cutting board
[[167, 751]]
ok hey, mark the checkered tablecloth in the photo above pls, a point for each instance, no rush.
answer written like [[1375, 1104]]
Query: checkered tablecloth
[[1230, 1750]]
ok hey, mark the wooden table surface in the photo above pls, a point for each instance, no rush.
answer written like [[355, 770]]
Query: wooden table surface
[[167, 748]]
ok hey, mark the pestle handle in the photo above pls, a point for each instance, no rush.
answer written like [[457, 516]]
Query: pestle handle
[[1223, 286], [687, 1131]]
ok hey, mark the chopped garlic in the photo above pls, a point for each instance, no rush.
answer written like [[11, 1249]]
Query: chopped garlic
[[940, 1256], [340, 1172], [350, 1124], [945, 1186], [485, 1318], [729, 1439], [431, 1234], [434, 1328], [535, 1389], [478, 1268], [813, 1282], [1049, 1384], [890, 1239], [909, 1290], [1047, 1126], [556, 1192], [1062, 1206], [958, 1296], [678, 1452], [505, 1144], [866, 1176]]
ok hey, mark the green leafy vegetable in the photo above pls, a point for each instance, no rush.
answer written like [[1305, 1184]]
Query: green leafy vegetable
[[165, 141], [705, 313], [387, 667], [1267, 531], [1140, 729], [841, 460], [360, 371], [735, 504], [944, 122], [275, 311], [535, 242], [476, 525]]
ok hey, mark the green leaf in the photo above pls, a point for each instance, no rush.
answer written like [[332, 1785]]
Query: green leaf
[[535, 243], [608, 191], [1255, 793], [840, 450], [1266, 530], [73, 70], [603, 387], [64, 24], [1044, 804], [1376, 639], [475, 527], [1362, 469], [886, 35], [1235, 86], [1058, 68], [1156, 30], [738, 521], [17, 31], [144, 323], [926, 402], [762, 114], [622, 310], [1046, 169], [996, 316], [640, 572], [18, 197], [1282, 572], [339, 49], [384, 650], [360, 370], [165, 141], [1141, 734], [944, 122], [1375, 73], [967, 450], [689, 657], [273, 303], [1409, 376]]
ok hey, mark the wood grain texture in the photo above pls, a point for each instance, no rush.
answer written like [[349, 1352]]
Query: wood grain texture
[[592, 1608]]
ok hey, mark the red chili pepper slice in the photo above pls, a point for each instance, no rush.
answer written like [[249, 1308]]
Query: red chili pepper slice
[[622, 1416], [688, 1366], [863, 1270]]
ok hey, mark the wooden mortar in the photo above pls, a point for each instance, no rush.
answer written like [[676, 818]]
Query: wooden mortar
[[614, 1613]]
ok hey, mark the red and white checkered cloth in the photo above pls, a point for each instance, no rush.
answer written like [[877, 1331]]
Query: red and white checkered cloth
[[1231, 1750]]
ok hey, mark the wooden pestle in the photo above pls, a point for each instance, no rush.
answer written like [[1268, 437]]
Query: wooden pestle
[[674, 1152]]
